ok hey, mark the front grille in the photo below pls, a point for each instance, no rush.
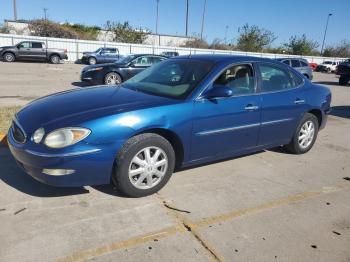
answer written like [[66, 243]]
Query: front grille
[[18, 133]]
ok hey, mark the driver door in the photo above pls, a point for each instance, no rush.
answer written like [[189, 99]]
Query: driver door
[[224, 126]]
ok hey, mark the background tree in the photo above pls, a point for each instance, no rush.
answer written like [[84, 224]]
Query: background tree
[[125, 33], [253, 38], [340, 50], [219, 45], [47, 28], [301, 46], [196, 42]]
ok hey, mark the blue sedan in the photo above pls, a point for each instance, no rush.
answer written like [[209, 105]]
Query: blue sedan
[[181, 112]]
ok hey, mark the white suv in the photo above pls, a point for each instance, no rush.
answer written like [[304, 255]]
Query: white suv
[[327, 66]]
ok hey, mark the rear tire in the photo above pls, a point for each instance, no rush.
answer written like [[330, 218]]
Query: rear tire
[[92, 61], [305, 135], [343, 80], [9, 57], [144, 165], [55, 59]]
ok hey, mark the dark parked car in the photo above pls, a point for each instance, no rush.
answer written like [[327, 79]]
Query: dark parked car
[[31, 50], [170, 54], [181, 112], [115, 73], [343, 70], [101, 55], [300, 65]]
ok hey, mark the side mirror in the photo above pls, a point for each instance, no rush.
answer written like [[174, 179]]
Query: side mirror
[[218, 91], [132, 64]]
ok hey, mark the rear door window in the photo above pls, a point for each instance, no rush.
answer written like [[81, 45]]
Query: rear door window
[[274, 78], [295, 63], [37, 45], [287, 62]]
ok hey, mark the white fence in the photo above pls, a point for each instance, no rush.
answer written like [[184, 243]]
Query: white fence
[[75, 48]]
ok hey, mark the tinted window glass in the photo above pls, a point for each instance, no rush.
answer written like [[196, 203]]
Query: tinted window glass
[[295, 63], [170, 78], [37, 45], [304, 63], [239, 78], [157, 59], [25, 45], [286, 62], [143, 61], [274, 78]]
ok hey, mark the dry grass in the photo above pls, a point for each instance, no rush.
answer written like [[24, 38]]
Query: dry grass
[[6, 114]]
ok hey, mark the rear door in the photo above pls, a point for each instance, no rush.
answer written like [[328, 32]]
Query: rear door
[[38, 50], [110, 55], [283, 103]]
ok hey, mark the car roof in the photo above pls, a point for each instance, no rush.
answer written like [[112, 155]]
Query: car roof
[[224, 58]]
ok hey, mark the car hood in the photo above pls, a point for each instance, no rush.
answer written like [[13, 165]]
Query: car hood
[[88, 53], [7, 47], [73, 107]]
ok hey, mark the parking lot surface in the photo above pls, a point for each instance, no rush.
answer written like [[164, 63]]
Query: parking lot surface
[[268, 206]]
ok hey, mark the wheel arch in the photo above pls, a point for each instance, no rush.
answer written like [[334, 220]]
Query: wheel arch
[[318, 114], [173, 139], [11, 52]]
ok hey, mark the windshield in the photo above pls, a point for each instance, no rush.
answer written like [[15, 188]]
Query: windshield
[[98, 50], [327, 63], [126, 59], [174, 78]]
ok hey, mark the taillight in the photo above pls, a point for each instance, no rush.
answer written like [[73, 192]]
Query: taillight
[[65, 50]]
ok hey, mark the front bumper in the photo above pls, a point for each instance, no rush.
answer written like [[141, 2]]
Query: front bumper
[[91, 165]]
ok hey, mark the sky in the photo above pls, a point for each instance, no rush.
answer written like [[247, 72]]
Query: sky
[[283, 17]]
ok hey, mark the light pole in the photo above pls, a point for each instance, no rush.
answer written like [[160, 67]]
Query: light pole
[[186, 17], [14, 10], [205, 4], [157, 17], [325, 32]]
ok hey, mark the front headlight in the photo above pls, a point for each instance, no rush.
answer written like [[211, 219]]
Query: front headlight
[[66, 137], [94, 69]]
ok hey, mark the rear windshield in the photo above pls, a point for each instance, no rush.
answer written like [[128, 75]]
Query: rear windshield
[[175, 78]]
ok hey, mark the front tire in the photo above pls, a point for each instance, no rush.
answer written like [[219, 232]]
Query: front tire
[[9, 57], [112, 78], [92, 61], [305, 135], [144, 165]]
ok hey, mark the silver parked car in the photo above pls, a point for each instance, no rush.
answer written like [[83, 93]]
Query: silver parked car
[[299, 64]]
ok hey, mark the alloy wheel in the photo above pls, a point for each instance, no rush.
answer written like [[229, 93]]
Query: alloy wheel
[[148, 167], [306, 134]]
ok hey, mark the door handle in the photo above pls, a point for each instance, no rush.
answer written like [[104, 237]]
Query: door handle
[[251, 107], [299, 101]]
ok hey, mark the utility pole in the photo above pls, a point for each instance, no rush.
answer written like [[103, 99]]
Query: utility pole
[[226, 28], [45, 11], [14, 10], [157, 17], [325, 32], [187, 17], [205, 4]]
